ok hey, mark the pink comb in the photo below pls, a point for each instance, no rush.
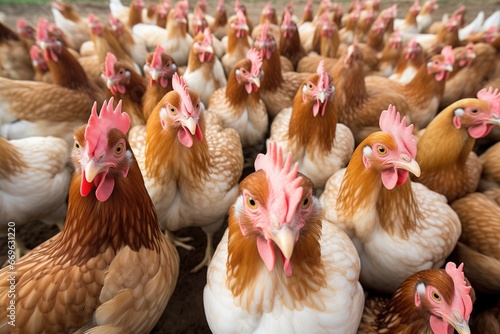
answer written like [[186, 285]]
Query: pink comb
[[287, 20], [220, 4], [242, 19], [42, 30], [391, 123], [254, 56], [461, 288], [207, 36], [412, 49], [308, 6], [492, 97], [109, 64], [180, 87], [35, 52], [323, 76], [20, 24], [396, 40], [449, 57], [99, 125], [286, 185], [156, 61], [415, 7], [92, 18]]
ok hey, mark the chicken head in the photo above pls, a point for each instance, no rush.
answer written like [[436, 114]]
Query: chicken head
[[249, 74], [318, 89], [202, 46], [115, 77], [440, 65], [160, 67]]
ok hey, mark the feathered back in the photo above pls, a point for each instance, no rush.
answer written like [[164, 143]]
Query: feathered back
[[97, 129], [391, 122], [286, 190]]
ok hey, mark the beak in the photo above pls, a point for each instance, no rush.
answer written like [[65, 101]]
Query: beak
[[322, 96], [495, 120], [284, 238], [256, 81], [92, 169], [110, 83], [190, 123], [409, 164], [155, 74], [244, 27], [461, 325], [209, 48], [448, 68]]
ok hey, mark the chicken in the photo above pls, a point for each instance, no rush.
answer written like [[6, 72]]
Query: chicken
[[198, 22], [174, 38], [31, 108], [34, 181], [447, 35], [127, 86], [105, 41], [359, 107], [475, 63], [268, 16], [430, 301], [135, 13], [490, 177], [219, 27], [204, 72], [67, 19], [398, 227], [278, 88], [487, 320], [162, 11], [40, 66], [160, 68], [424, 18], [238, 41], [309, 130], [110, 270], [239, 105], [391, 53], [280, 268], [478, 246], [326, 39], [15, 62], [134, 46], [409, 24], [307, 14], [348, 31], [410, 60], [445, 155], [191, 167], [425, 91], [290, 45]]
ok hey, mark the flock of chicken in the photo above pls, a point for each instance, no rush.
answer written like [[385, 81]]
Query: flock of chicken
[[381, 167]]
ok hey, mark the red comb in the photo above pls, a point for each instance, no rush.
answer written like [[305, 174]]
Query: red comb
[[323, 76], [92, 18], [287, 20], [286, 185], [263, 33], [492, 97], [20, 24], [180, 87], [207, 36], [461, 288], [242, 19], [99, 125], [35, 52], [156, 62], [113, 20], [42, 30], [449, 57], [391, 123], [254, 56], [109, 64]]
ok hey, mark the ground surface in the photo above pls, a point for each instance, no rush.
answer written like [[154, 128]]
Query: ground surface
[[184, 313]]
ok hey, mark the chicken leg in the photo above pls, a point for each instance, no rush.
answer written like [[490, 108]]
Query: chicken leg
[[209, 253], [178, 241]]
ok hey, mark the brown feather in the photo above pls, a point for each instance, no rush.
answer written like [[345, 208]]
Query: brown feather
[[11, 161]]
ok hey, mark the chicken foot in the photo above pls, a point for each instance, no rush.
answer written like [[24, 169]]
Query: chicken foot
[[179, 241], [209, 253]]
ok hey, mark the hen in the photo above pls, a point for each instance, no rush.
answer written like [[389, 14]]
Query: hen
[[479, 244], [430, 301], [219, 27], [160, 68], [134, 46], [191, 167], [238, 41], [410, 60], [310, 131], [239, 105], [31, 108], [204, 72], [67, 19], [279, 267], [34, 181], [490, 177], [110, 270], [398, 227], [15, 60], [290, 45], [448, 164], [40, 66], [125, 85]]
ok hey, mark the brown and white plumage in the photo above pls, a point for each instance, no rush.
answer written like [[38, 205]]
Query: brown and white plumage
[[432, 301], [67, 19], [111, 269], [190, 163], [311, 132], [448, 164], [238, 41], [279, 267], [398, 227]]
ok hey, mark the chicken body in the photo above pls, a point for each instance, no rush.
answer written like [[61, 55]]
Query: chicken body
[[490, 177], [15, 62], [190, 185], [97, 274], [238, 42], [311, 284], [398, 227], [71, 23]]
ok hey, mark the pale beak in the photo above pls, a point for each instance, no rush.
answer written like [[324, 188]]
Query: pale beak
[[448, 68], [155, 74], [110, 83], [244, 27], [209, 49], [256, 81], [284, 238], [495, 120], [190, 123], [92, 169], [409, 164], [322, 96], [461, 325]]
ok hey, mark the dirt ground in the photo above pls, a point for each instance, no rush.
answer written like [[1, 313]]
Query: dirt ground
[[184, 313]]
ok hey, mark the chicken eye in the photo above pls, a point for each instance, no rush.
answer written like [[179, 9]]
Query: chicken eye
[[436, 297], [243, 71], [381, 150], [172, 110], [251, 203], [309, 85], [305, 203], [197, 106], [474, 111], [77, 146], [119, 149]]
